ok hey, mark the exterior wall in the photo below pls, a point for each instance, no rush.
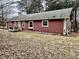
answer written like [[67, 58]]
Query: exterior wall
[[24, 25], [15, 24], [55, 26], [10, 24]]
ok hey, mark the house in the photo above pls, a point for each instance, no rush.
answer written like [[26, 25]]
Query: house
[[57, 21]]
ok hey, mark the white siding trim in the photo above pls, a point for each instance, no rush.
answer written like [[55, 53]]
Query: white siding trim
[[64, 27], [47, 24]]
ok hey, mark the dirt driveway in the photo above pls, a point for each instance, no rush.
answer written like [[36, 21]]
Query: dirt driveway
[[32, 45]]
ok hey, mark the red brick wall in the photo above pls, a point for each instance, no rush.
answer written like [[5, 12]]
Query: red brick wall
[[55, 26]]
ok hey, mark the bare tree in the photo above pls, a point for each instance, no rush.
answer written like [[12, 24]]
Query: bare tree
[[30, 6], [5, 9], [75, 12]]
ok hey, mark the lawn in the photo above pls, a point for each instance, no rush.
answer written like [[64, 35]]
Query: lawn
[[34, 45]]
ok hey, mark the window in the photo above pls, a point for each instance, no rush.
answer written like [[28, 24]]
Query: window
[[30, 23], [44, 23]]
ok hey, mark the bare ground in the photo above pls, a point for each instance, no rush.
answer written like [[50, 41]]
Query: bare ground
[[32, 45]]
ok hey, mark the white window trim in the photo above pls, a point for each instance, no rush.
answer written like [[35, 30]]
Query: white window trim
[[47, 23], [29, 25]]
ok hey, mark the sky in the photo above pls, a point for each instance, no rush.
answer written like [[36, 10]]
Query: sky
[[44, 6], [15, 0], [14, 10]]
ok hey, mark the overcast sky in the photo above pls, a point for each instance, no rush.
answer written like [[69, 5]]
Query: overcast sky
[[14, 10], [15, 0]]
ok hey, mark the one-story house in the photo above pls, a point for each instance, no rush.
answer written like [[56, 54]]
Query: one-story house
[[57, 21]]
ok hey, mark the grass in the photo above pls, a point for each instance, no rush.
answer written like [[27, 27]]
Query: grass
[[50, 38], [33, 45]]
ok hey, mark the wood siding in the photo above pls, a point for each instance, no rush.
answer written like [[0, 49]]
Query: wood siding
[[55, 26], [24, 25]]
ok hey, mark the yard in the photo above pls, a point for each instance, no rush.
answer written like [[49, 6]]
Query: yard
[[33, 45]]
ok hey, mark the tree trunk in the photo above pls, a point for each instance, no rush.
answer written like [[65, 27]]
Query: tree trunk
[[76, 30]]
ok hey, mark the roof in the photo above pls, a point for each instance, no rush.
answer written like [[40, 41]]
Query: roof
[[56, 14], [22, 17], [16, 18]]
